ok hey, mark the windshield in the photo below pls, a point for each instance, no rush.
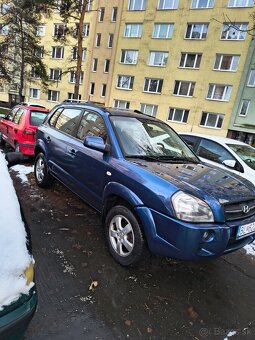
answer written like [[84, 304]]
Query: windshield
[[151, 140], [245, 152], [37, 117]]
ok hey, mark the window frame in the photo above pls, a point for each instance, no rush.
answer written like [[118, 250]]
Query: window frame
[[114, 14], [238, 6], [219, 115], [94, 64], [221, 61], [153, 106], [57, 96], [121, 101], [203, 31], [159, 85], [32, 89], [130, 82], [123, 53], [110, 40], [157, 29], [196, 60], [248, 101], [101, 13], [240, 30], [98, 40], [184, 112], [107, 65], [227, 89], [196, 3], [163, 3], [56, 48], [128, 30], [58, 72], [103, 90], [165, 56], [251, 75], [191, 88], [132, 5]]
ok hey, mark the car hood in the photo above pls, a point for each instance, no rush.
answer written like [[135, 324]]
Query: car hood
[[202, 180]]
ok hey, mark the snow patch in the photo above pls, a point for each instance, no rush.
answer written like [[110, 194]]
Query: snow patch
[[13, 251], [22, 171], [250, 249]]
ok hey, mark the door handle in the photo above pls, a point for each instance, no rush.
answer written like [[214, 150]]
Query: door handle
[[72, 152], [48, 138]]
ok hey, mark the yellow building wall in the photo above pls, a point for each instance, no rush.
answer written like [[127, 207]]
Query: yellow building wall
[[172, 72]]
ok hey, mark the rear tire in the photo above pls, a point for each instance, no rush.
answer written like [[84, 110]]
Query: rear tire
[[124, 235], [42, 174]]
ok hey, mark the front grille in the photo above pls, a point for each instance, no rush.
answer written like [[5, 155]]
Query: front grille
[[239, 210]]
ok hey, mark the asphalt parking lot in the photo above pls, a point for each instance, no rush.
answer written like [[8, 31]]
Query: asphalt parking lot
[[84, 294]]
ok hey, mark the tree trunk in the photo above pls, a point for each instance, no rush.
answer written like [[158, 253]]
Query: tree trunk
[[79, 51], [22, 62]]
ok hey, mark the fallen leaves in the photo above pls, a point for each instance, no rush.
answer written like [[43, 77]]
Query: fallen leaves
[[93, 285]]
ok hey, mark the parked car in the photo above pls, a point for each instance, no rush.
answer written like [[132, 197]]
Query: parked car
[[148, 193], [18, 127], [229, 154], [18, 298]]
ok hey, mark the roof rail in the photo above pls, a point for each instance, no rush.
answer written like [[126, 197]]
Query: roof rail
[[75, 101]]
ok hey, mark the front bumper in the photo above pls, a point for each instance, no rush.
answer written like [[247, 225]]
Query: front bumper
[[14, 319], [174, 238]]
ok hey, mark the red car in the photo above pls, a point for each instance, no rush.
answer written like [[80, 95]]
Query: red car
[[18, 127]]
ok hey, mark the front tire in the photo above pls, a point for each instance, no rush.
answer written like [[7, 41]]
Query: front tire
[[42, 174], [124, 235]]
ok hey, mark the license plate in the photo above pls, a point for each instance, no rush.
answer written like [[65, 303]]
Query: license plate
[[245, 230]]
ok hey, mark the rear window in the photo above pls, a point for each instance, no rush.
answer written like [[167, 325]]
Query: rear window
[[37, 117]]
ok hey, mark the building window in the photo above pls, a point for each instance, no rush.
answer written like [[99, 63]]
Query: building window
[[212, 120], [34, 93], [178, 115], [106, 65], [240, 3], [110, 40], [59, 30], [40, 31], [244, 108], [149, 109], [39, 52], [125, 82], [92, 89], [55, 74], [94, 65], [219, 92], [53, 96], [133, 30], [163, 31], [114, 14], [202, 4], [74, 54], [157, 58], [98, 39], [85, 30], [71, 96], [190, 60], [251, 80], [121, 104], [226, 62], [35, 73], [129, 56], [184, 88], [153, 85], [101, 14], [103, 90], [73, 77], [196, 31], [57, 52], [234, 31], [168, 4], [137, 5]]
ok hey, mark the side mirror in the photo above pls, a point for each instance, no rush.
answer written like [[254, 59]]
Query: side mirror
[[229, 163], [14, 158], [96, 143]]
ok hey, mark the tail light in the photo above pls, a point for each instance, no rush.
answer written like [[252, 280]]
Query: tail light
[[28, 134]]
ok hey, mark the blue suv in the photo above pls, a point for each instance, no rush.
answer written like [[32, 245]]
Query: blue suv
[[149, 186]]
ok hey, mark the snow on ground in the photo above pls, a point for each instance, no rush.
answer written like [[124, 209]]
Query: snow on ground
[[13, 251], [250, 249], [22, 171]]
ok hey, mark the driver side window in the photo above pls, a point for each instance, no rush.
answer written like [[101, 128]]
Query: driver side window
[[91, 125]]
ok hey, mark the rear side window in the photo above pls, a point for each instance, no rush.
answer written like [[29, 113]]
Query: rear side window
[[18, 116], [12, 113], [37, 117], [213, 151], [67, 120]]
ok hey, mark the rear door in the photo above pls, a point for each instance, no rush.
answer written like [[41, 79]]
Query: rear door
[[56, 136], [6, 122], [13, 127]]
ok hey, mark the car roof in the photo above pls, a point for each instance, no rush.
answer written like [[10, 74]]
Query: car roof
[[109, 110], [221, 140], [33, 106]]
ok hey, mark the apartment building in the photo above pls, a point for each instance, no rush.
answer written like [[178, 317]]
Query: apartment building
[[179, 60]]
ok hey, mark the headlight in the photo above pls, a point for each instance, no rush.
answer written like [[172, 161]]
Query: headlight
[[190, 208]]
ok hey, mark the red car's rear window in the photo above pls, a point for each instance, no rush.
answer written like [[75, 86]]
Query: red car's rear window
[[37, 117]]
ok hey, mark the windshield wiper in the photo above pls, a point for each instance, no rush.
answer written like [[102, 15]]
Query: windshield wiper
[[161, 158]]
